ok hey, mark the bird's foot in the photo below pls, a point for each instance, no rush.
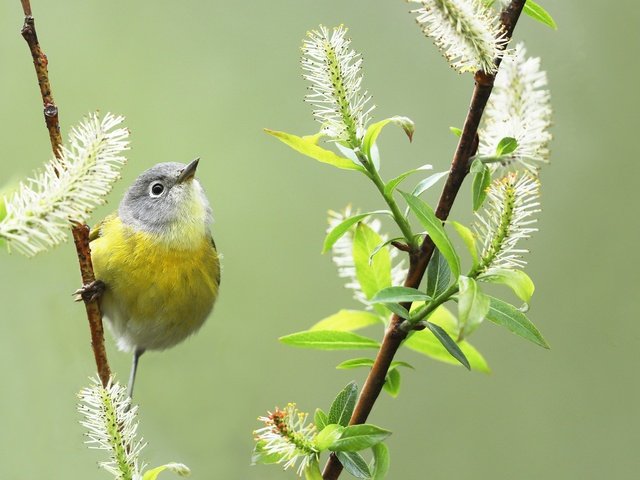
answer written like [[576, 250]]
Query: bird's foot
[[90, 292]]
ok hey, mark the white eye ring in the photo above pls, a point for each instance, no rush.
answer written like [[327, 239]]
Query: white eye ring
[[156, 189]]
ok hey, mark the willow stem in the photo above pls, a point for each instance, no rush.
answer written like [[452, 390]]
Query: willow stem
[[418, 260], [80, 232]]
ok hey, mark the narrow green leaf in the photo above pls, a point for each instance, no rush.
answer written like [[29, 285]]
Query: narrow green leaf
[[315, 138], [392, 184], [355, 363], [448, 343], [179, 468], [309, 148], [260, 455], [381, 461], [382, 245], [514, 320], [469, 240], [329, 340], [327, 436], [374, 130], [376, 275], [320, 418], [312, 472], [434, 228], [342, 407], [358, 437], [438, 275], [398, 309], [425, 343], [368, 362], [428, 182], [397, 364], [347, 321], [399, 295], [517, 280], [392, 383], [456, 131], [354, 464], [343, 227], [473, 306], [506, 146], [538, 13], [481, 181]]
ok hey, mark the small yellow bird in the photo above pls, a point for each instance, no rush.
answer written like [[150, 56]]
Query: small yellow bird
[[156, 265]]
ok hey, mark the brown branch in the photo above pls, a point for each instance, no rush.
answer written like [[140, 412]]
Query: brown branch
[[418, 260], [80, 232]]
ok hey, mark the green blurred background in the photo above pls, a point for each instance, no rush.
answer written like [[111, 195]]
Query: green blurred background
[[203, 78]]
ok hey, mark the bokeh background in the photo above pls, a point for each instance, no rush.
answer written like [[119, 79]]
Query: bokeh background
[[203, 78]]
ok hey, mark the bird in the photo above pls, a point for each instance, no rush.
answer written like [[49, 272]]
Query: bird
[[156, 265]]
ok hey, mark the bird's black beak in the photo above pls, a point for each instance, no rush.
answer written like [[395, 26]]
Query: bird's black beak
[[188, 172]]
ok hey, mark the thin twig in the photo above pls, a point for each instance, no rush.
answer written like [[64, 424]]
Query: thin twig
[[419, 259], [80, 232]]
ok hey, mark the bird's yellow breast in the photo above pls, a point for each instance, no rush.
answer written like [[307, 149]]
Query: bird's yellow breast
[[158, 291]]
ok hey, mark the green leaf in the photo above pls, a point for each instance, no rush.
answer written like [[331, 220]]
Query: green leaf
[[327, 436], [374, 130], [320, 418], [514, 320], [392, 383], [343, 227], [347, 320], [392, 184], [329, 340], [342, 407], [368, 362], [538, 13], [381, 461], [481, 181], [399, 295], [506, 146], [425, 342], [376, 275], [456, 131], [312, 472], [517, 280], [468, 238], [355, 363], [260, 455], [438, 275], [434, 228], [448, 343], [397, 364], [179, 468], [315, 138], [398, 309], [382, 245], [473, 305], [354, 464], [428, 182], [308, 147], [358, 437]]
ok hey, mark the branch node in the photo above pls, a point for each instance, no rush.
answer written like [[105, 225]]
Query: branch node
[[50, 110]]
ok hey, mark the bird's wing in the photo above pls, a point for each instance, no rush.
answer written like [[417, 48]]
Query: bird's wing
[[213, 242], [96, 230]]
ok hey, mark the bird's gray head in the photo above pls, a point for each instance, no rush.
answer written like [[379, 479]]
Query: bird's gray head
[[167, 200]]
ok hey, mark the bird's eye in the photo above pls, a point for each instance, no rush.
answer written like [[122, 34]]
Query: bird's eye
[[156, 189]]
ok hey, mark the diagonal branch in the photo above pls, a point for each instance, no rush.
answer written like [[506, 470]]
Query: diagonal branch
[[419, 259], [80, 232]]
